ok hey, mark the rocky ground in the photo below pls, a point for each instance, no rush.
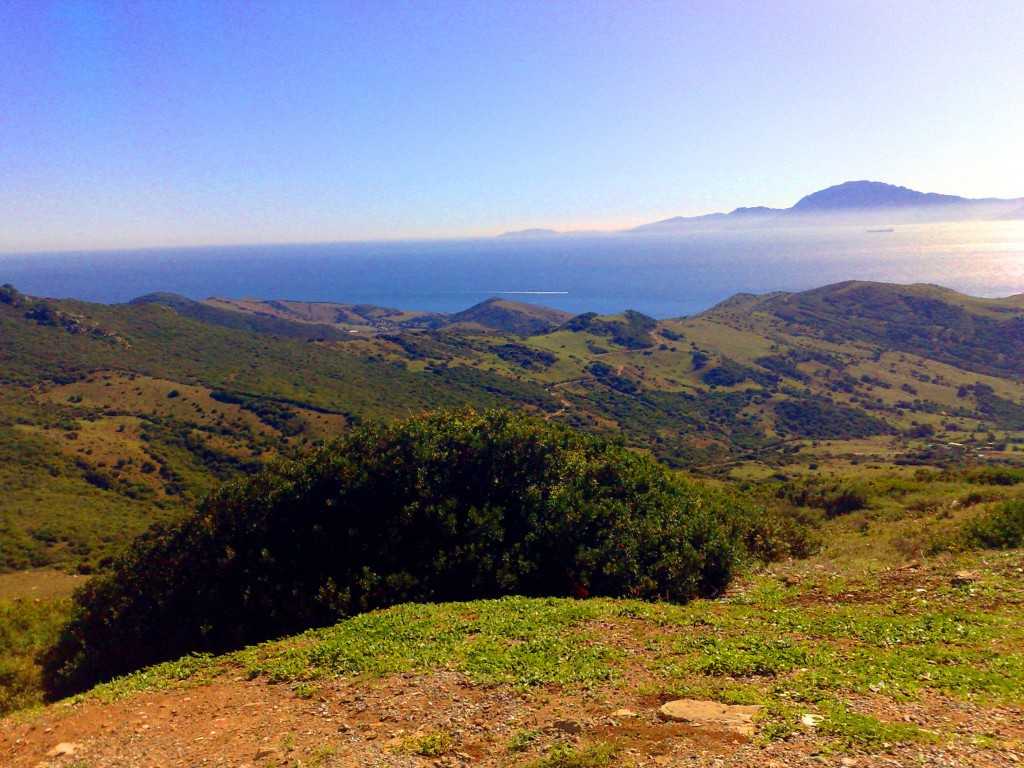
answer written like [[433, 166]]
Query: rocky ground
[[444, 720]]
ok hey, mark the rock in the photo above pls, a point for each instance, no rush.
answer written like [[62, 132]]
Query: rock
[[733, 718], [811, 720], [269, 753], [566, 726], [64, 748], [849, 762], [962, 578], [623, 713]]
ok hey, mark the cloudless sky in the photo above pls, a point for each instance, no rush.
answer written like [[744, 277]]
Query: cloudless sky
[[128, 124]]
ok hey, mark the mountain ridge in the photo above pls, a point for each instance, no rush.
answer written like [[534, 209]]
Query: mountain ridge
[[887, 203]]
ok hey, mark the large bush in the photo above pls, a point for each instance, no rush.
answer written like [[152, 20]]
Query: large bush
[[1000, 528], [448, 506]]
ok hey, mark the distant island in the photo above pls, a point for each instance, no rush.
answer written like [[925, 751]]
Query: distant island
[[534, 232]]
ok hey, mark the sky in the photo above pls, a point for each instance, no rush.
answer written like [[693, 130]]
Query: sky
[[171, 123]]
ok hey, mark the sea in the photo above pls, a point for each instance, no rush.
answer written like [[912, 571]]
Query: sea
[[660, 275]]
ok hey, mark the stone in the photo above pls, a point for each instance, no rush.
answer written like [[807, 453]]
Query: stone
[[623, 713], [269, 753], [64, 748], [739, 719], [566, 726], [963, 578], [811, 720]]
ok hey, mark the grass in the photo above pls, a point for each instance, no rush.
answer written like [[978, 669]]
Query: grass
[[434, 744], [567, 756], [514, 641]]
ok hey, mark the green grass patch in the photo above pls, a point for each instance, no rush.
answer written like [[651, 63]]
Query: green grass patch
[[515, 641], [851, 730], [561, 755]]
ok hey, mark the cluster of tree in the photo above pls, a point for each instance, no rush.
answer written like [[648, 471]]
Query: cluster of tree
[[526, 357], [631, 329], [819, 418], [273, 413], [448, 506]]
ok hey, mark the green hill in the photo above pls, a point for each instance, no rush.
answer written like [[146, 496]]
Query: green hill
[[126, 415]]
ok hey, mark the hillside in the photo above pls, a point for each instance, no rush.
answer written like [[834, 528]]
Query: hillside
[[139, 410], [340, 319], [510, 317], [115, 417]]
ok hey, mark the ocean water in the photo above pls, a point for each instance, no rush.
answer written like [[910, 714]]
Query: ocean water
[[663, 276]]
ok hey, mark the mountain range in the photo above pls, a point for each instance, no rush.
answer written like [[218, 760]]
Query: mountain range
[[853, 202]]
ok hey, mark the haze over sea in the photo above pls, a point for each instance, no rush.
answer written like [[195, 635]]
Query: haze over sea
[[660, 275]]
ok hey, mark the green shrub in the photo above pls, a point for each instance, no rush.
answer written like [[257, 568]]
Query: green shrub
[[449, 506], [26, 629], [834, 497], [996, 476], [1001, 528]]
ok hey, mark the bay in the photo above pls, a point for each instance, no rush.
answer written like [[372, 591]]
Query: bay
[[663, 276]]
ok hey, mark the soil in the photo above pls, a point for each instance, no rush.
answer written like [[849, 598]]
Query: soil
[[380, 722]]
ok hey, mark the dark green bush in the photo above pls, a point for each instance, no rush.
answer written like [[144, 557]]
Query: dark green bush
[[996, 476], [448, 506], [833, 497]]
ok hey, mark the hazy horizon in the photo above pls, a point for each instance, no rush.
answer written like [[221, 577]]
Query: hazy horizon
[[663, 276]]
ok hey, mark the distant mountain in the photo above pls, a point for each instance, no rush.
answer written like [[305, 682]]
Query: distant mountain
[[870, 194], [755, 215], [856, 201]]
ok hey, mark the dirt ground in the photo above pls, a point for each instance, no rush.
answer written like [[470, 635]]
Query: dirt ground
[[383, 722]]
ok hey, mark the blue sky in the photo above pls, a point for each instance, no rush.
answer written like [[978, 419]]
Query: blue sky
[[177, 123]]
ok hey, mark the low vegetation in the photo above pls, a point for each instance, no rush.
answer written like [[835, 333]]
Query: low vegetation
[[857, 652], [999, 528], [27, 628], [451, 506]]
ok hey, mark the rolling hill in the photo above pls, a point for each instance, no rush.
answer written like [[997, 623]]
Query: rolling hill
[[140, 409]]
